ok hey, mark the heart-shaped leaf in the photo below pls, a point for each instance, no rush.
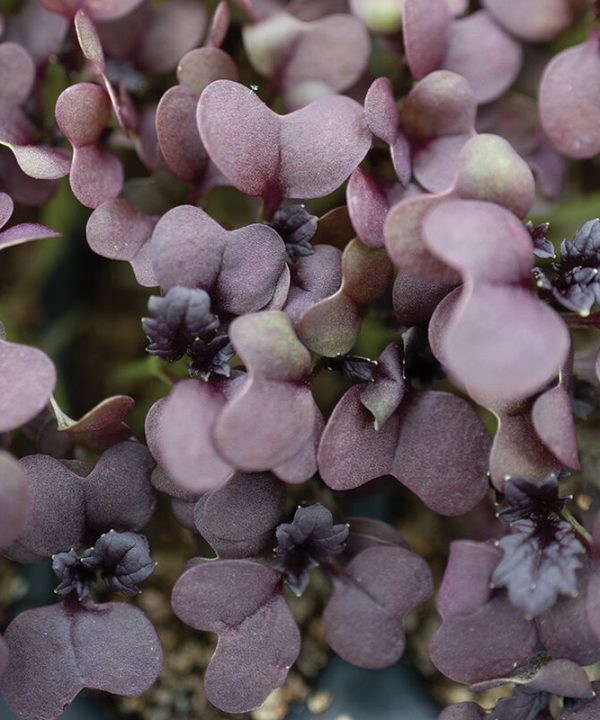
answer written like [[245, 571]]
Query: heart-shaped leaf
[[273, 416], [305, 154], [242, 601], [229, 258], [363, 618], [55, 652]]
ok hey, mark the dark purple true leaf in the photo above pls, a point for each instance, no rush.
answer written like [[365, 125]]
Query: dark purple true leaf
[[242, 601], [124, 560], [363, 618], [353, 367], [72, 575], [306, 541], [539, 564], [542, 247], [177, 319], [532, 501], [57, 651], [296, 227]]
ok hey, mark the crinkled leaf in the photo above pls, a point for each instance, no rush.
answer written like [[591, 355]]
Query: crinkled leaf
[[523, 705], [296, 227], [539, 564], [55, 652], [363, 618], [124, 560], [309, 539], [242, 601]]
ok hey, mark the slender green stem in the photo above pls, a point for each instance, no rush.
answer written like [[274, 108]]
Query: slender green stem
[[577, 526]]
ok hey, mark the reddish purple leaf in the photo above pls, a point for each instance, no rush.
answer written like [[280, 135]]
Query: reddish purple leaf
[[98, 9], [242, 601], [219, 26], [425, 27], [180, 434], [55, 652], [501, 342], [305, 154], [26, 384], [229, 258], [466, 584], [273, 416], [534, 20], [566, 93], [363, 618], [37, 30], [369, 199], [468, 648], [314, 277], [484, 54], [330, 53], [201, 66], [331, 326], [239, 519], [451, 480], [118, 231], [14, 501]]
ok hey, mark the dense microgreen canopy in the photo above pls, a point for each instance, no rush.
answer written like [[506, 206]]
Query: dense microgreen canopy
[[343, 220]]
